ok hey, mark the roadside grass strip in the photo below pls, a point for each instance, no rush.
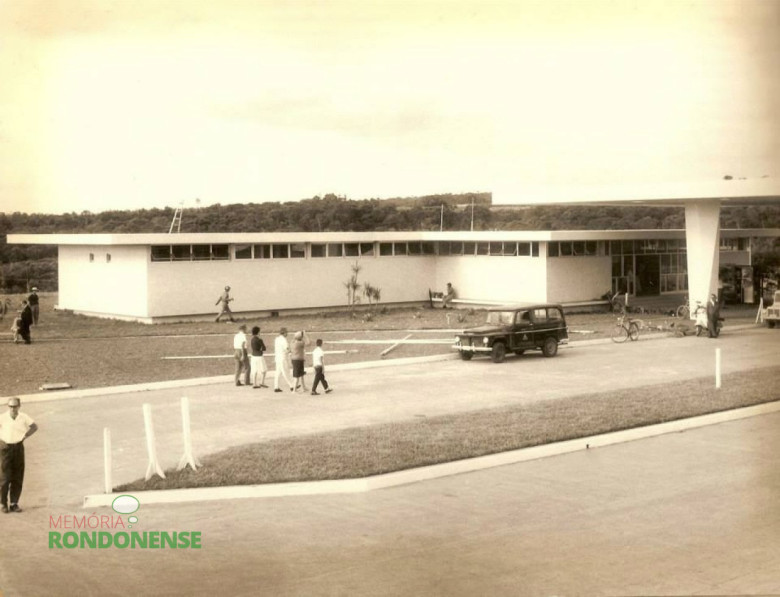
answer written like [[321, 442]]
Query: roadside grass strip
[[397, 449]]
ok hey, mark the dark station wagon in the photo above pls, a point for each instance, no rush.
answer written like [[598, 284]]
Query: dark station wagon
[[515, 328]]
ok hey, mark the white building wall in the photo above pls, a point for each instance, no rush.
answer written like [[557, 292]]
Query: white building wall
[[109, 288], [509, 279], [192, 287], [572, 279]]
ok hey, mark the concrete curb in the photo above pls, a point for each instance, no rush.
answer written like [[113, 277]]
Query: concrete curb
[[204, 381], [426, 473]]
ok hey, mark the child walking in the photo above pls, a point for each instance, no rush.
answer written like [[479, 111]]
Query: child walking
[[318, 360]]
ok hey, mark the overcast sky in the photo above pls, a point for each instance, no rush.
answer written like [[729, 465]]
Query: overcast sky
[[122, 104]]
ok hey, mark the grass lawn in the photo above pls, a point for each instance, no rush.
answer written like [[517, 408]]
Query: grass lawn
[[365, 451]]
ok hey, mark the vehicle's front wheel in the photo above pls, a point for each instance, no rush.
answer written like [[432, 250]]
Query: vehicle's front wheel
[[466, 355], [550, 347], [499, 352]]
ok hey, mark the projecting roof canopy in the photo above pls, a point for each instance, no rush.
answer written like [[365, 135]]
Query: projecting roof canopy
[[764, 191]]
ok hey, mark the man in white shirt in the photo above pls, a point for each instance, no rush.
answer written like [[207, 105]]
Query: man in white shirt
[[15, 427], [241, 355], [281, 360], [318, 361]]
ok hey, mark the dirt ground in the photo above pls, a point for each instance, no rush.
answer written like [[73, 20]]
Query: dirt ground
[[88, 352]]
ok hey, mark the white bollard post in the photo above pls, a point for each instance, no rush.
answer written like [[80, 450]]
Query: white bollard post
[[151, 449], [717, 368], [188, 457], [107, 460]]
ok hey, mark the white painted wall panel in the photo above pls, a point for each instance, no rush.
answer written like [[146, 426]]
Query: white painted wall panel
[[502, 279], [110, 288], [188, 288], [571, 279]]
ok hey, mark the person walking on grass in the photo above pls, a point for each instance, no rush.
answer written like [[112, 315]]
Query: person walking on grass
[[241, 356], [15, 427], [298, 353], [318, 361], [27, 320], [34, 302], [257, 360], [225, 299], [281, 360]]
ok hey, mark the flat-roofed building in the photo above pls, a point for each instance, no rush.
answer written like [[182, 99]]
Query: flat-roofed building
[[153, 277]]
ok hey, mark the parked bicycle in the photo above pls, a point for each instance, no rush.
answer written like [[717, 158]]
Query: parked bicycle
[[625, 328], [684, 310]]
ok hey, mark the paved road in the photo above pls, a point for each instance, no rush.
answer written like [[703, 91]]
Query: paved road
[[683, 514]]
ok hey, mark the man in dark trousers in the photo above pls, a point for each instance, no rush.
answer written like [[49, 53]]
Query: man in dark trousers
[[713, 314], [33, 302], [27, 321], [15, 427]]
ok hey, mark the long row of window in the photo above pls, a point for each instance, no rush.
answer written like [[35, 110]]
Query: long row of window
[[216, 252]]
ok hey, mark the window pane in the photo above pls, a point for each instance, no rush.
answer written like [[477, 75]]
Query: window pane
[[161, 253], [591, 247], [553, 249], [554, 314], [444, 248], [483, 248], [535, 249], [281, 251], [366, 249], [400, 249], [181, 252], [496, 248], [627, 247], [318, 250], [335, 250], [469, 248], [414, 248], [220, 252], [201, 252], [565, 249], [243, 251], [428, 248], [456, 248], [262, 251], [351, 250], [615, 248], [524, 249], [385, 249], [297, 250], [510, 249], [539, 315]]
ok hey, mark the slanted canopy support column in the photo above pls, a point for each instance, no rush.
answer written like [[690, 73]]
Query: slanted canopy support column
[[702, 237]]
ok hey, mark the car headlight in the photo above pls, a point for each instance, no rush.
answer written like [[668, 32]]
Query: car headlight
[[485, 340]]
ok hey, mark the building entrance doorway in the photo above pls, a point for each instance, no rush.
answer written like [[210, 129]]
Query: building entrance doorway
[[648, 275]]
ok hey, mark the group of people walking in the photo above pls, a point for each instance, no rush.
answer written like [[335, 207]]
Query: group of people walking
[[289, 361]]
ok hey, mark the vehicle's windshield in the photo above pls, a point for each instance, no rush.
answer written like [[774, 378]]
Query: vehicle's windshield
[[501, 317]]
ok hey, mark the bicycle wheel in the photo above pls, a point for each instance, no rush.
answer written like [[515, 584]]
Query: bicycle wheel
[[619, 333], [683, 311], [633, 331]]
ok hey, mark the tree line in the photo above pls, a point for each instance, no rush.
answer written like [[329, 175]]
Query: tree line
[[20, 264]]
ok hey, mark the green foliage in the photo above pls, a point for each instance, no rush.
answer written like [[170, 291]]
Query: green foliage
[[333, 213]]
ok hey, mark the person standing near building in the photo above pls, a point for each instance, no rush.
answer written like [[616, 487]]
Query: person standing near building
[[16, 327], [713, 315], [447, 296], [27, 319], [34, 307], [281, 360], [256, 359], [225, 299], [241, 356], [318, 361], [297, 356], [15, 427]]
